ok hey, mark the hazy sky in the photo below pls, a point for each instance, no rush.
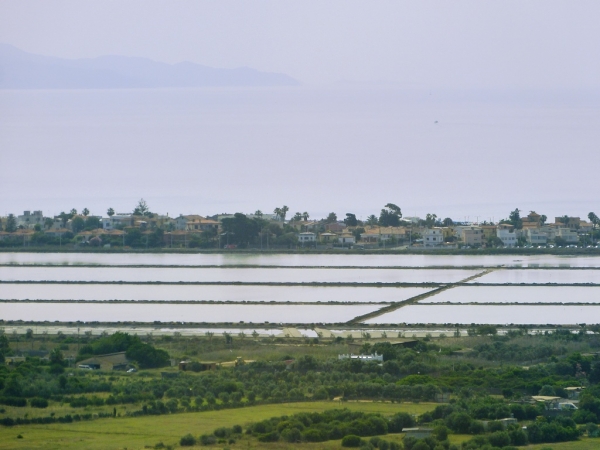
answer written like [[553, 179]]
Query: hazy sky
[[422, 43], [530, 141]]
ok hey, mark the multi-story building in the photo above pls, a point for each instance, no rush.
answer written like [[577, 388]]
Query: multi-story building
[[489, 231], [568, 235], [572, 223], [472, 236], [382, 234], [507, 235], [195, 223], [536, 237], [532, 220], [30, 220], [433, 237], [118, 221]]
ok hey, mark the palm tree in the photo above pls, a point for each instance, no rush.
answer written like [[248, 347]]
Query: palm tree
[[258, 213], [305, 216], [284, 210], [278, 213], [595, 220], [110, 212], [85, 212], [297, 217]]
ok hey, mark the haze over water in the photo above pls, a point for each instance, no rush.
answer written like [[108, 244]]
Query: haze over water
[[466, 155]]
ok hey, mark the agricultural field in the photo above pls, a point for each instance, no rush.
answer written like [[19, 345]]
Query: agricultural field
[[138, 432]]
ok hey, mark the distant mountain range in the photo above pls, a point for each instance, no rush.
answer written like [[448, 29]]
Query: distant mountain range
[[22, 70]]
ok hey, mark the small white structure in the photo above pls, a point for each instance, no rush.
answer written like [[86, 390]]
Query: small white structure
[[307, 237], [433, 237], [346, 238], [374, 357]]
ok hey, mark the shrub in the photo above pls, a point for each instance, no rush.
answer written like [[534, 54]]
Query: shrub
[[38, 403], [7, 422], [383, 445], [399, 421], [499, 439], [13, 401], [187, 441], [421, 445], [476, 427], [351, 441], [440, 433], [237, 429], [273, 436], [518, 437], [222, 432], [314, 435], [495, 425], [291, 435], [78, 402], [207, 439]]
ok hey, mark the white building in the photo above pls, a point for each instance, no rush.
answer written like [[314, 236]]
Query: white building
[[536, 237], [307, 237], [117, 221], [346, 238], [374, 357], [433, 237], [569, 236], [29, 220], [507, 235]]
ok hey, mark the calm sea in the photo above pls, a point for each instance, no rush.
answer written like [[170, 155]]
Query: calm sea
[[472, 156]]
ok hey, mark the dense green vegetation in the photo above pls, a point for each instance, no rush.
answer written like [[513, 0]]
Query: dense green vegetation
[[144, 354], [486, 376]]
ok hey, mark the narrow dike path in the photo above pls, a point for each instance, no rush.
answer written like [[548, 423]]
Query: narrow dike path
[[411, 301]]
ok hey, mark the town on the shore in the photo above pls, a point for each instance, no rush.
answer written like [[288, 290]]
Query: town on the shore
[[281, 229]]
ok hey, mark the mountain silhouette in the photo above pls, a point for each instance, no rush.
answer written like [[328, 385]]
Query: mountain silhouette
[[22, 70]]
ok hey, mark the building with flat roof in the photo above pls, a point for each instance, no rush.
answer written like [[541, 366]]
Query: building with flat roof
[[307, 237], [536, 237], [433, 237], [110, 361], [507, 235]]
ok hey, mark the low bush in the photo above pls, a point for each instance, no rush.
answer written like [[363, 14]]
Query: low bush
[[13, 401], [38, 402], [208, 439], [187, 441], [351, 441]]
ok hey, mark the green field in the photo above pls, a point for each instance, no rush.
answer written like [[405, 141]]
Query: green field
[[145, 432], [138, 432]]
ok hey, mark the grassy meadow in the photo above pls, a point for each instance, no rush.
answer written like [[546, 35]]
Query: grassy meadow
[[147, 431]]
